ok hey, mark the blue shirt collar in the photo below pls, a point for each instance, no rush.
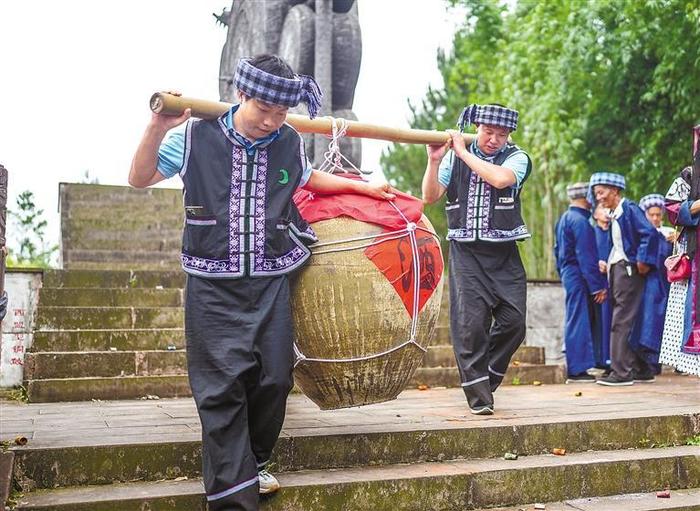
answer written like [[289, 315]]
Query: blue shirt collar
[[250, 146], [585, 212]]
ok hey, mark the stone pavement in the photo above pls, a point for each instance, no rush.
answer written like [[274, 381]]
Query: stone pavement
[[423, 451], [144, 421]]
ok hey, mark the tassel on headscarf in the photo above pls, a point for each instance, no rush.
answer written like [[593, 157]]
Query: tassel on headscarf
[[312, 94]]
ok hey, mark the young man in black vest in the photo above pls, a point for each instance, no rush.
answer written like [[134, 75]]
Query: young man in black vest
[[487, 279], [243, 235]]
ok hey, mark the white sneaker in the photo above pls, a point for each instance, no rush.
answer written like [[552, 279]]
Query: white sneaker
[[484, 410], [268, 482]]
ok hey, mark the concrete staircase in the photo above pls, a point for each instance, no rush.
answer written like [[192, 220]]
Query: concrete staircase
[[104, 334], [110, 325], [120, 228], [420, 452], [108, 335]]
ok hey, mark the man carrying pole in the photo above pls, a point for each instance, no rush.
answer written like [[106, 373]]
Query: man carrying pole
[[243, 236], [487, 279]]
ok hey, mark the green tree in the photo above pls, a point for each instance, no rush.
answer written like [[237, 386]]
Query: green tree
[[645, 103], [31, 226], [599, 85], [403, 165]]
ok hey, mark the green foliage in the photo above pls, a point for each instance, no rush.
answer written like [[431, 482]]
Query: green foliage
[[17, 393], [33, 250], [599, 85]]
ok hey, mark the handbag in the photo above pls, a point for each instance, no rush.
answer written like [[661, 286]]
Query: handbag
[[678, 266]]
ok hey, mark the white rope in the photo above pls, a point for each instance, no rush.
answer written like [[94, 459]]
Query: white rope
[[333, 159], [411, 228], [303, 358], [359, 238], [356, 247]]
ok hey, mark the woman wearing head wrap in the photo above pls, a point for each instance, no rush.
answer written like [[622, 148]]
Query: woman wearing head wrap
[[633, 256], [680, 346], [487, 278], [648, 329], [576, 255], [243, 236]]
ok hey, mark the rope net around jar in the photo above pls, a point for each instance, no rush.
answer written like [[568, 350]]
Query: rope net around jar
[[333, 160]]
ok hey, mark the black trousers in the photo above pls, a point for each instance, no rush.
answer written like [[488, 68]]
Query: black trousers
[[240, 358], [488, 294], [627, 292]]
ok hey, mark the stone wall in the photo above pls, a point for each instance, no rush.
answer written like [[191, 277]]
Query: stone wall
[[545, 318], [119, 227], [17, 327]]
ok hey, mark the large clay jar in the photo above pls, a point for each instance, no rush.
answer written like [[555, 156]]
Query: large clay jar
[[353, 316]]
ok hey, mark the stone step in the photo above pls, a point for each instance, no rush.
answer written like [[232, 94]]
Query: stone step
[[442, 355], [96, 196], [185, 495], [152, 440], [155, 258], [114, 278], [522, 374], [105, 340], [137, 222], [93, 238], [170, 379], [105, 297], [168, 240], [448, 485], [680, 500], [58, 318], [161, 265], [47, 361], [51, 365], [442, 329], [52, 390], [87, 211]]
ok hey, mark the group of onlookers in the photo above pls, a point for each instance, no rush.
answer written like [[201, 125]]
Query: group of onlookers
[[631, 282]]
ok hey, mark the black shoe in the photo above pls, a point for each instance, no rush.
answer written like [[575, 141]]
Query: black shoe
[[644, 378], [580, 378], [614, 381], [482, 410]]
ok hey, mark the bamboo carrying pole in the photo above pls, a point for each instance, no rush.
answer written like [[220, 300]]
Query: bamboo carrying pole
[[164, 103]]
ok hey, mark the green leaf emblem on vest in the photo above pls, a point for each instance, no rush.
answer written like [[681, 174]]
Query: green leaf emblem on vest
[[284, 179]]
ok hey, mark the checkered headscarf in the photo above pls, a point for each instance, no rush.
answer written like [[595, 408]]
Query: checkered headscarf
[[653, 200], [577, 191], [289, 92], [489, 114], [604, 178]]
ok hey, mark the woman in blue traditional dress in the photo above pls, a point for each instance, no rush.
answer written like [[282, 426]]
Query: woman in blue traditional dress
[[576, 256], [646, 336]]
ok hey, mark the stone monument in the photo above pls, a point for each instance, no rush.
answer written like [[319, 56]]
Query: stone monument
[[320, 38]]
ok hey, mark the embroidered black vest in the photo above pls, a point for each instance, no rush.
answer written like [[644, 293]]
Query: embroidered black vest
[[240, 219], [478, 211]]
